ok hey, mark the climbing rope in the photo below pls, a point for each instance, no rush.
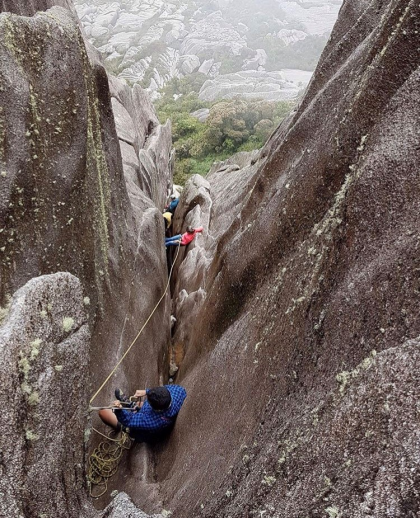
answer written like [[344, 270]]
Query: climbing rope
[[141, 330], [104, 460]]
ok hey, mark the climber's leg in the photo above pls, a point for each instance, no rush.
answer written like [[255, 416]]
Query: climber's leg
[[109, 418]]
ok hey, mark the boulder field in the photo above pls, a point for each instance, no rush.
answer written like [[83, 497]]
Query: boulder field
[[154, 42], [296, 331]]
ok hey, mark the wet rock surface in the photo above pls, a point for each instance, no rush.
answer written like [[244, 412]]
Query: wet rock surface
[[65, 206], [61, 170], [145, 146], [298, 332]]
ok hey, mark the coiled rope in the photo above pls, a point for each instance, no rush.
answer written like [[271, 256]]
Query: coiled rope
[[104, 460]]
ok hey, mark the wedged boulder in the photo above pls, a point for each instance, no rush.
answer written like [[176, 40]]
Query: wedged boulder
[[306, 317], [44, 369], [189, 64]]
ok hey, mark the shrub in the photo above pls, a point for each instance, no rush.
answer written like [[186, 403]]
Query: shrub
[[232, 126]]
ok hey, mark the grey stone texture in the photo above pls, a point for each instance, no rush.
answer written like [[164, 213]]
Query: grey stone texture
[[122, 507], [68, 203], [44, 372], [44, 369], [31, 7], [297, 330], [145, 144]]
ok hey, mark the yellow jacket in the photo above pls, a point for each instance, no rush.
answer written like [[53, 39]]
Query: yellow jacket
[[168, 219]]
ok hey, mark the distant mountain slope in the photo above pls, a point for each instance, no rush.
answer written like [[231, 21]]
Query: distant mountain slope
[[152, 41]]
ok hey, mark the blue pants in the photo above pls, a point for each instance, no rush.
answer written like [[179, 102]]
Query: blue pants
[[172, 241]]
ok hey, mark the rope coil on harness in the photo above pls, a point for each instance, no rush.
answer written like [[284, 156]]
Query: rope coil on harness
[[104, 460]]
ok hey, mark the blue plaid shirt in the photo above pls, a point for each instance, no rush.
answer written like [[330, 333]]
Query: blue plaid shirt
[[149, 420]]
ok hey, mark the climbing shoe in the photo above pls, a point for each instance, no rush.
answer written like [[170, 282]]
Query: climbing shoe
[[125, 400], [119, 394]]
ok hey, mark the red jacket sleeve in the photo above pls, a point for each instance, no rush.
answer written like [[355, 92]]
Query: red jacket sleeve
[[187, 238]]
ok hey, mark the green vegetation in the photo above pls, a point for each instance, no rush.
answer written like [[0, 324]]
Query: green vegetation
[[231, 126]]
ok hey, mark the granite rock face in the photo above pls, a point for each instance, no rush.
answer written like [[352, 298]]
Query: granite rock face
[[146, 146], [31, 7], [297, 329], [64, 199], [64, 202], [42, 341], [44, 371], [122, 507]]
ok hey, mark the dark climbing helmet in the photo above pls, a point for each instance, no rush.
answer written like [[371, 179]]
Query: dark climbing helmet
[[190, 229]]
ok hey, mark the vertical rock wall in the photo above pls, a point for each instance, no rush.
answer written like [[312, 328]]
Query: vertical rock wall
[[64, 199], [65, 206], [299, 304]]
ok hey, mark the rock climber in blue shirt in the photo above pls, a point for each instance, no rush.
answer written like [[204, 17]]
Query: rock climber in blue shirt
[[173, 204], [150, 420]]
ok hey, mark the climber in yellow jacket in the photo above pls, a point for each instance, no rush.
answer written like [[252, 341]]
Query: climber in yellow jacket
[[167, 216]]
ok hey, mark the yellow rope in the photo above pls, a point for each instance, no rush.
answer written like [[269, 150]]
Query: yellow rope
[[141, 330], [104, 461]]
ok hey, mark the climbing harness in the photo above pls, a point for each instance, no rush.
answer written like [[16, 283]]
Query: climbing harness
[[104, 460]]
